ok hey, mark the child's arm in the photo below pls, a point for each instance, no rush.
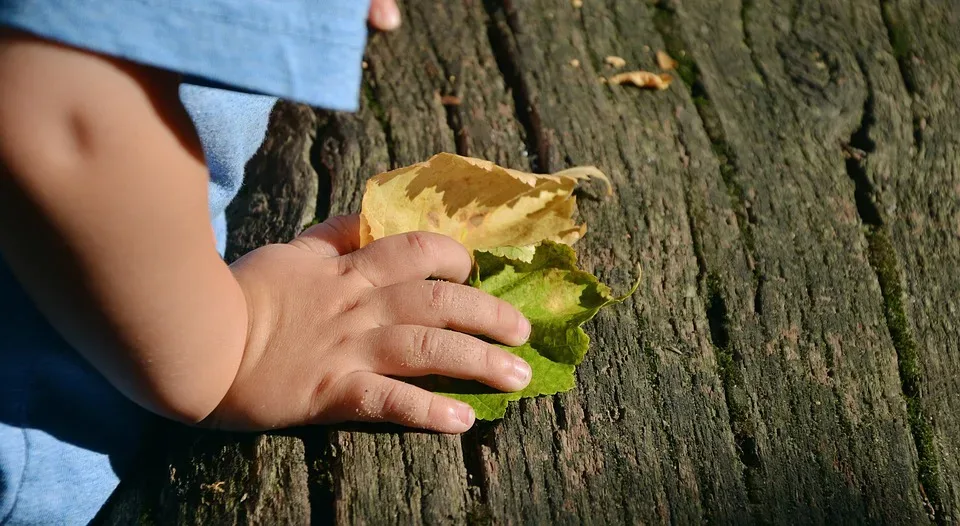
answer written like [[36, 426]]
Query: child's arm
[[104, 220]]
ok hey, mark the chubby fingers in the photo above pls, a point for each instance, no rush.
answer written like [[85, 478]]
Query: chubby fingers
[[369, 397], [452, 306], [411, 350], [413, 256]]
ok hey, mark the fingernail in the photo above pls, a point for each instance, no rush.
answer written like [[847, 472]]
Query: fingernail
[[387, 17], [465, 414], [525, 328], [522, 371]]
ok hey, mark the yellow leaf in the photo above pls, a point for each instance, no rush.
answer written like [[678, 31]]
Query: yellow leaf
[[476, 202]]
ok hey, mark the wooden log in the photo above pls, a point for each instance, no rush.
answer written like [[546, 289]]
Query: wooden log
[[817, 388], [909, 180], [793, 200], [645, 437]]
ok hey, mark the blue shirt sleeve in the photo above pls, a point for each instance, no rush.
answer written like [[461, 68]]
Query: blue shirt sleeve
[[307, 51]]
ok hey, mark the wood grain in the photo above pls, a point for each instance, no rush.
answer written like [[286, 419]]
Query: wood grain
[[793, 200]]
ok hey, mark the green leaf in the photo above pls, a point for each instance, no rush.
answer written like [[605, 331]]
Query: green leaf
[[557, 298]]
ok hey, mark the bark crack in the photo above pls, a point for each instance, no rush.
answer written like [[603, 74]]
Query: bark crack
[[902, 46], [450, 89], [745, 7], [327, 132], [380, 114], [471, 446], [883, 259], [501, 31], [323, 466], [729, 357]]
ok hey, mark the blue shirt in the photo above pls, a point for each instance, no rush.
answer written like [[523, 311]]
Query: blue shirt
[[65, 433]]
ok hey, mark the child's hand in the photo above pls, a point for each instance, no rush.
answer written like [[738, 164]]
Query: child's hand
[[329, 325]]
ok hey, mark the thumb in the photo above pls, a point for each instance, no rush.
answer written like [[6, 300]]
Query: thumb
[[334, 237]]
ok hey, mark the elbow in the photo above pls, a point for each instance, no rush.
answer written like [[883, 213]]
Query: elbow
[[188, 386], [189, 372], [190, 406]]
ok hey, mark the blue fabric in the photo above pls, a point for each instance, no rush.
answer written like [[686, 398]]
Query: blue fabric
[[304, 50], [231, 127], [65, 434]]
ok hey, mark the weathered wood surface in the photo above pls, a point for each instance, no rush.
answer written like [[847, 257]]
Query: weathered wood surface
[[792, 355]]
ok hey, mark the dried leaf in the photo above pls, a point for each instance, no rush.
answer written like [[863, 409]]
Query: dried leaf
[[615, 61], [514, 222], [643, 79], [665, 61], [480, 204]]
